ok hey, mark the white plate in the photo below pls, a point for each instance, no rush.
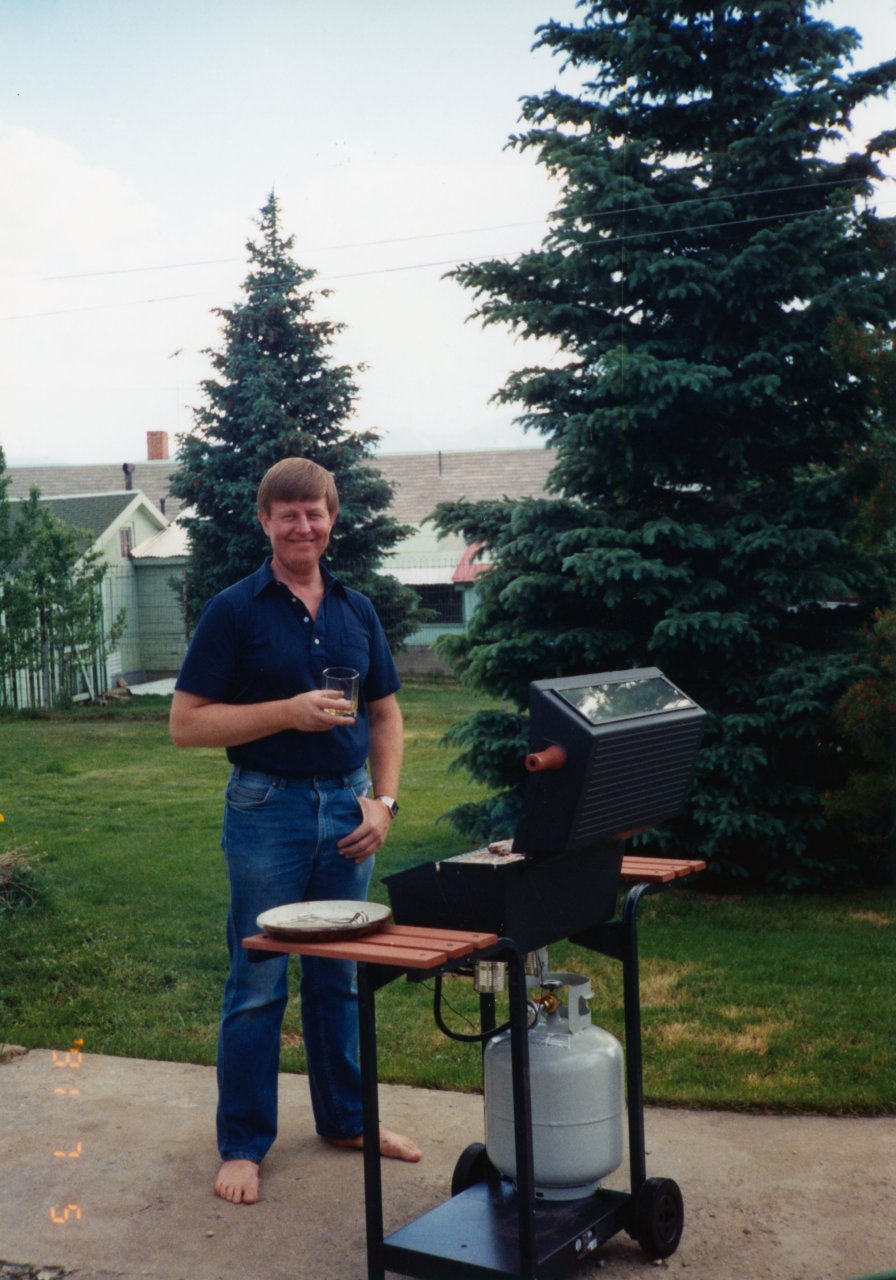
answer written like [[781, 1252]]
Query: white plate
[[325, 921]]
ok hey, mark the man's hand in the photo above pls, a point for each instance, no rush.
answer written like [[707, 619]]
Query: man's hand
[[370, 834], [319, 710]]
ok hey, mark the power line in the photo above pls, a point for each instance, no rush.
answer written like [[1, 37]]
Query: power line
[[603, 241], [124, 271], [440, 235]]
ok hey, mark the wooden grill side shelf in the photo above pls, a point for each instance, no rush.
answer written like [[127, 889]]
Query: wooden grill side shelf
[[658, 870], [401, 946]]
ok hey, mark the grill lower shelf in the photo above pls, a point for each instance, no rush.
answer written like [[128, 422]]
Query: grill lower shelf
[[475, 1235]]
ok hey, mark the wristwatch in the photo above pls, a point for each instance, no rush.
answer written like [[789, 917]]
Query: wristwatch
[[391, 804]]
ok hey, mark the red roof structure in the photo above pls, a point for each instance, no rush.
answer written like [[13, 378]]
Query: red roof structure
[[468, 567]]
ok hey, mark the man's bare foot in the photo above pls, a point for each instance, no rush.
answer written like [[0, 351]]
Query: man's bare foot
[[238, 1181], [394, 1145]]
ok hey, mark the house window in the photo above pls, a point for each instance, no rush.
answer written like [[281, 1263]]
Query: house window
[[125, 542], [444, 600]]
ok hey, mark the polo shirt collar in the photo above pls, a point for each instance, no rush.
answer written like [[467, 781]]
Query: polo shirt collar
[[264, 576]]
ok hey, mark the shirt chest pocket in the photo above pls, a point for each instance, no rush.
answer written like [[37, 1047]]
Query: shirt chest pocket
[[347, 640], [354, 651]]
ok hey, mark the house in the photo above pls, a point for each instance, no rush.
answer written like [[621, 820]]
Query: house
[[115, 524], [443, 570]]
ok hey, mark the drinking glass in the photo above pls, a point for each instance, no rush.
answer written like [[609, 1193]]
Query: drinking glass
[[345, 682]]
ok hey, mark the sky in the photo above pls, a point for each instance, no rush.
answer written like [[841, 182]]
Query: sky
[[139, 141]]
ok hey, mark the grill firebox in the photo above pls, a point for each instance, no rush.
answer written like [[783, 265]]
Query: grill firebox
[[610, 754]]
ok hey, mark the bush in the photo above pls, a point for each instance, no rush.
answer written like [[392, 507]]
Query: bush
[[21, 881]]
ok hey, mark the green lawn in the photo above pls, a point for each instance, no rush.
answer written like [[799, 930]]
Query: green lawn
[[772, 1003]]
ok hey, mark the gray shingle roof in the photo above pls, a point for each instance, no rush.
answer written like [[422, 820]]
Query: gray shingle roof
[[67, 481], [421, 479], [94, 512]]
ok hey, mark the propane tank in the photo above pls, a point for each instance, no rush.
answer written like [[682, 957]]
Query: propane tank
[[577, 1096]]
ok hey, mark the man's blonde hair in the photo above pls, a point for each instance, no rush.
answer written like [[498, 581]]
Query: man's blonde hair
[[297, 480]]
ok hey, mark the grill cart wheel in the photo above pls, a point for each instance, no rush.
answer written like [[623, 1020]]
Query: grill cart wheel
[[658, 1218], [473, 1166]]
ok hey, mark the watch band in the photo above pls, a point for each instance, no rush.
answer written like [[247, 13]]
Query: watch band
[[390, 802]]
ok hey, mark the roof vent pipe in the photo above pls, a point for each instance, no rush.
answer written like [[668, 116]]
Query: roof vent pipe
[[128, 469]]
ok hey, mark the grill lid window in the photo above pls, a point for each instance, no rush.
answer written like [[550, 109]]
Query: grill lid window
[[624, 699]]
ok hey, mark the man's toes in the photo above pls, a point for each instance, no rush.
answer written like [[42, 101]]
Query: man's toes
[[237, 1182], [396, 1146]]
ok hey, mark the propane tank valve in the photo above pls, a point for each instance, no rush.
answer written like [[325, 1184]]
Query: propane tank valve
[[549, 1000]]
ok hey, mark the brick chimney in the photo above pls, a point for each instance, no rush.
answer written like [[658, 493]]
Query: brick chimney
[[157, 446]]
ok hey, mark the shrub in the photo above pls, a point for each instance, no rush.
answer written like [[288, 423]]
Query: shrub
[[21, 881]]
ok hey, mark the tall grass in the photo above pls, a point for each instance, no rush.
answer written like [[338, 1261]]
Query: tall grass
[[757, 1002]]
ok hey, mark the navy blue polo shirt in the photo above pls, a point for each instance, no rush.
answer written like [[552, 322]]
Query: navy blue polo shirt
[[256, 642]]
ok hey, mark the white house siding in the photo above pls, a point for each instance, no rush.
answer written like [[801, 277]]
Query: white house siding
[[120, 589], [163, 639]]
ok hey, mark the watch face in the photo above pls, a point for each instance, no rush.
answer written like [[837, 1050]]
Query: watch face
[[391, 805]]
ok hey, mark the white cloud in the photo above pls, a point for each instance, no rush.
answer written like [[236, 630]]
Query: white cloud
[[59, 213], [66, 347]]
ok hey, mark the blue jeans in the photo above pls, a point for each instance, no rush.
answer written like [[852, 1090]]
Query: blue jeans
[[279, 840]]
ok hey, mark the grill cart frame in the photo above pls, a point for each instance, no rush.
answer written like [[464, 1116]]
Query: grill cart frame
[[491, 1228]]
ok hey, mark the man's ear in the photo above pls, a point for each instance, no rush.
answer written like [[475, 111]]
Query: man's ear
[[263, 521]]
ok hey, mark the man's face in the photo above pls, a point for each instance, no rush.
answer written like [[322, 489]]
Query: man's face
[[299, 532]]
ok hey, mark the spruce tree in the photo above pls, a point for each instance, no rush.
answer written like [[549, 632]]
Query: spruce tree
[[711, 235], [277, 394]]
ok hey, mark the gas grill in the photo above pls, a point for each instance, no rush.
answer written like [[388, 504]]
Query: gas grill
[[610, 754]]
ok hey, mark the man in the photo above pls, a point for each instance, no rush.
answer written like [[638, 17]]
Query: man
[[300, 823]]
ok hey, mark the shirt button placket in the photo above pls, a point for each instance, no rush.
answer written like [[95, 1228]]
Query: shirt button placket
[[318, 660]]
